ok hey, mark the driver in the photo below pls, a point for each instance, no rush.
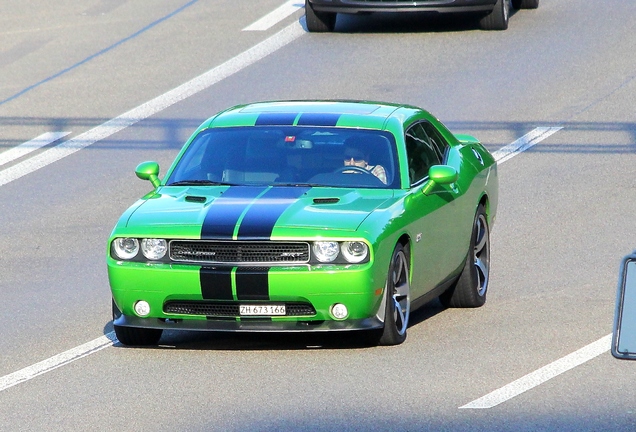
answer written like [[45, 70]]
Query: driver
[[356, 156]]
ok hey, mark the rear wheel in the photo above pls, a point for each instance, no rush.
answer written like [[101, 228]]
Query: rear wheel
[[319, 22], [470, 289], [133, 335], [497, 19], [398, 299], [525, 4]]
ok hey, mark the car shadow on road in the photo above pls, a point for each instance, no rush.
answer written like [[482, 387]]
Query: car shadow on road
[[401, 22], [405, 23], [227, 341]]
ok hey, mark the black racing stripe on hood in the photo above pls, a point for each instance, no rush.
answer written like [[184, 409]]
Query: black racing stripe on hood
[[216, 283], [252, 283], [224, 212], [317, 119], [259, 221], [276, 119]]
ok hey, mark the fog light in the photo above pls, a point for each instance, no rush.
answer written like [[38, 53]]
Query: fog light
[[142, 308], [339, 311]]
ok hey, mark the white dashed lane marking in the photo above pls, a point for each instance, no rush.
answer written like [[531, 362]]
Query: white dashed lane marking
[[276, 16], [563, 364], [30, 146], [142, 112], [542, 375], [56, 361], [524, 143]]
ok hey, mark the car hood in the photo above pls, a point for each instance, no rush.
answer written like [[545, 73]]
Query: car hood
[[253, 212]]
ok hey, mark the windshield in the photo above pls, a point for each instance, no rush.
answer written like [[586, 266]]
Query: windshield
[[286, 155]]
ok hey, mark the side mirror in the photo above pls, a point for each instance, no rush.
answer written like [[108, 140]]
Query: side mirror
[[624, 336], [439, 175], [149, 171]]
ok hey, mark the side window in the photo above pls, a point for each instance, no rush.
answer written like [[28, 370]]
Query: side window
[[420, 153], [437, 141]]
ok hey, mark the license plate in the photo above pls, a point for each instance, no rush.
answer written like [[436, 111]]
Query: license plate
[[262, 310]]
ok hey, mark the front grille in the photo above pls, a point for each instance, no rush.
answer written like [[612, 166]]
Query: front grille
[[239, 252], [228, 309]]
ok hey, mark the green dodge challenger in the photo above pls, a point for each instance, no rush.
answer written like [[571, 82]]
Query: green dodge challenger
[[306, 216]]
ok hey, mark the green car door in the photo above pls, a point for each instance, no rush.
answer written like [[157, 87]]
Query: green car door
[[440, 234]]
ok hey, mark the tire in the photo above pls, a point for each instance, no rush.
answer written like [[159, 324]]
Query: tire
[[525, 4], [133, 335], [398, 299], [319, 22], [497, 19], [472, 286]]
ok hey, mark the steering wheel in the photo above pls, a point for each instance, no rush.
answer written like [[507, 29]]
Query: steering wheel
[[355, 168]]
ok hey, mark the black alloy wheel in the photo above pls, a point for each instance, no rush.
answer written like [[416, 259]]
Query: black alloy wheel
[[470, 289], [397, 298]]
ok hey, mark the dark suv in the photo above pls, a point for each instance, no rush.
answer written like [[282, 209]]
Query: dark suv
[[321, 14]]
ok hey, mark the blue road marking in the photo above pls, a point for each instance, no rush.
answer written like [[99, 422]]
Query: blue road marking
[[99, 53]]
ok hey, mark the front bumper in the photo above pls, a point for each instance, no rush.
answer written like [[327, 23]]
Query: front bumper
[[439, 6], [358, 287], [249, 325]]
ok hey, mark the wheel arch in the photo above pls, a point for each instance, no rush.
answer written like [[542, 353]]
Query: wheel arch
[[485, 201], [405, 241]]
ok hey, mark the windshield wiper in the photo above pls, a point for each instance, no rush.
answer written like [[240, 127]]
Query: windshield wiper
[[199, 183]]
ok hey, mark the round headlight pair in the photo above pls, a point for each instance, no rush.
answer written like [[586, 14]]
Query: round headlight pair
[[326, 251], [127, 248], [352, 251], [154, 249]]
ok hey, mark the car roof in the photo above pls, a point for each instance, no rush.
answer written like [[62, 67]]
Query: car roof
[[334, 113]]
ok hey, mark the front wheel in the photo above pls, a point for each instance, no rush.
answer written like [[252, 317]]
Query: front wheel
[[398, 299], [498, 18], [470, 289], [133, 335], [319, 22]]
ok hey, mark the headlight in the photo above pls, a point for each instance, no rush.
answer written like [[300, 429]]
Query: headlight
[[126, 248], [154, 249], [325, 251], [354, 251]]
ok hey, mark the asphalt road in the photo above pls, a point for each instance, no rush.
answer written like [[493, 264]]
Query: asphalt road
[[565, 216]]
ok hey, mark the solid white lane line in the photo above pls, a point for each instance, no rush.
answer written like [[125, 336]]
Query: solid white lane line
[[542, 375], [192, 87], [30, 146], [533, 137], [275, 16], [56, 361]]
